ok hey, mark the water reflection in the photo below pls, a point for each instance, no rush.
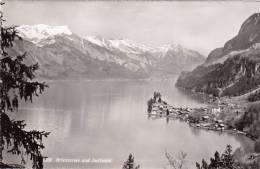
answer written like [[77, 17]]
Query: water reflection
[[109, 120], [167, 120]]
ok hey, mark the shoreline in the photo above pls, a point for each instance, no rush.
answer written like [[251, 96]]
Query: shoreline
[[206, 118]]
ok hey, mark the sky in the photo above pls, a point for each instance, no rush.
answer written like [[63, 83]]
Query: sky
[[198, 25]]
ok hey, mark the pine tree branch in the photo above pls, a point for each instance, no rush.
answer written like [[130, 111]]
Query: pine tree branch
[[16, 138]]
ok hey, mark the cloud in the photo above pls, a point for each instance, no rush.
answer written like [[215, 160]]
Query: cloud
[[202, 26]]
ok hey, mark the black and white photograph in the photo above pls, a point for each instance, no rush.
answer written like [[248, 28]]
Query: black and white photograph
[[128, 84]]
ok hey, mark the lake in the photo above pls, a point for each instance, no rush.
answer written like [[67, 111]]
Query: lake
[[107, 120]]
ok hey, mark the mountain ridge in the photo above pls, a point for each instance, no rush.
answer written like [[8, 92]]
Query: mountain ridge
[[61, 53], [232, 69]]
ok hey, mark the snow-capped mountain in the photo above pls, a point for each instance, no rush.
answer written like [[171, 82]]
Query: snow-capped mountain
[[124, 45], [42, 33], [62, 53]]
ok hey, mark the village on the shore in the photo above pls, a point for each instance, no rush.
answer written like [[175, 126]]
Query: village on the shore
[[207, 117]]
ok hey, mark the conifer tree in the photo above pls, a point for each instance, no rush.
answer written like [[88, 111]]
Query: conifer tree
[[225, 161], [130, 163], [17, 80], [227, 158]]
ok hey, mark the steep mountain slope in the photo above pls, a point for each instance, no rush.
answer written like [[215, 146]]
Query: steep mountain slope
[[232, 69], [60, 53]]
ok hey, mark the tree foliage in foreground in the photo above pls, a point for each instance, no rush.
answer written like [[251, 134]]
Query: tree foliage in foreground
[[224, 161], [130, 163], [17, 83]]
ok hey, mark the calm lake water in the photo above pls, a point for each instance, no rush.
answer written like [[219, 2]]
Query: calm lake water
[[108, 120]]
